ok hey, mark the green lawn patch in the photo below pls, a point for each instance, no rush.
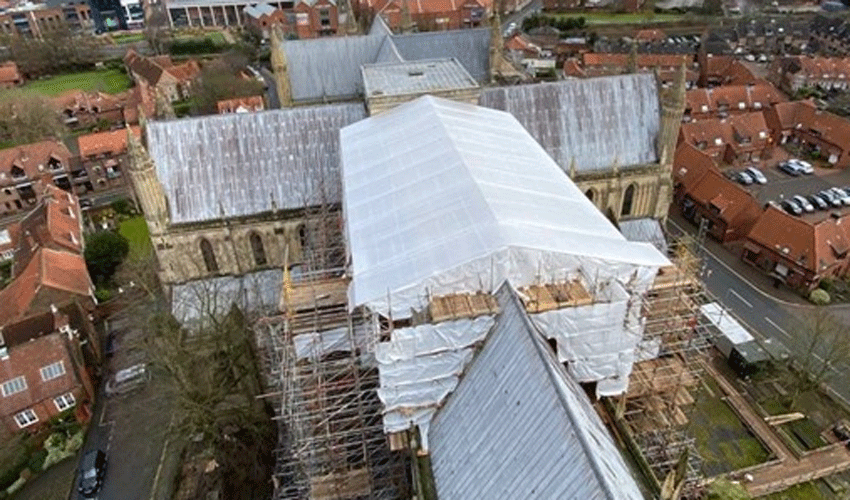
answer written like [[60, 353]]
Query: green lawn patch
[[128, 38], [723, 441], [136, 231], [216, 38], [111, 81], [815, 490]]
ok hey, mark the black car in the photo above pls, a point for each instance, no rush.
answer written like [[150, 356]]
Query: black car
[[818, 202], [791, 207], [92, 472]]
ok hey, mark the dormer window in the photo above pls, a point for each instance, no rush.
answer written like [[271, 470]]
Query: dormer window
[[757, 105], [742, 105], [704, 108], [718, 141], [18, 172], [54, 163], [762, 134]]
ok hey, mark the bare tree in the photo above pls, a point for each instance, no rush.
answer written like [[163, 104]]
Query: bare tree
[[825, 344], [222, 79], [27, 117]]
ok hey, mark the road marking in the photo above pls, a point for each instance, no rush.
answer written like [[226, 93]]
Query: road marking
[[783, 332], [742, 299]]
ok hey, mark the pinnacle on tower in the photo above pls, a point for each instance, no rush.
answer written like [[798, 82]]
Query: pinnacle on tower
[[497, 43]]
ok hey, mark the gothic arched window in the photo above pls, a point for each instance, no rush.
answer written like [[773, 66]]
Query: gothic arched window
[[257, 249], [628, 200], [209, 256]]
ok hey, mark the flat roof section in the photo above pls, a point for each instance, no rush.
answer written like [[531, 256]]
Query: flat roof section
[[415, 77]]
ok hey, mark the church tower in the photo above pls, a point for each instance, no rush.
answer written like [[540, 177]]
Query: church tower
[[148, 189], [281, 70], [497, 43], [672, 109]]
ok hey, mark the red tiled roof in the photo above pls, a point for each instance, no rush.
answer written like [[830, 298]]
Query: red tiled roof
[[32, 158], [113, 142], [57, 270], [54, 223], [735, 97], [642, 60], [9, 73], [251, 103], [813, 246], [734, 203], [690, 165], [650, 35]]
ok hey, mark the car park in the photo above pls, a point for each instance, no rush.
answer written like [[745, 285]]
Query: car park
[[128, 379], [803, 203], [92, 473], [790, 168], [744, 178], [756, 174], [817, 202], [791, 207]]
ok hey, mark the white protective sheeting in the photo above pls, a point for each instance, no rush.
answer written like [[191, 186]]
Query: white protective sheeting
[[598, 340], [471, 201], [315, 345], [421, 365], [726, 323]]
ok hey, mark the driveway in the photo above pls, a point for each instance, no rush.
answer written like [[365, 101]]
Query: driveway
[[131, 428]]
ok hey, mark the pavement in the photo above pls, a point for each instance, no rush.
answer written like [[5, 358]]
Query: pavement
[[769, 313]]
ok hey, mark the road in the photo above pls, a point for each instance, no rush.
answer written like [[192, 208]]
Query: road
[[131, 429], [517, 17], [271, 88], [765, 316]]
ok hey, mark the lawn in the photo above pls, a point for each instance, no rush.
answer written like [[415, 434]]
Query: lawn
[[815, 490], [110, 81], [635, 18], [136, 231], [127, 37], [723, 441]]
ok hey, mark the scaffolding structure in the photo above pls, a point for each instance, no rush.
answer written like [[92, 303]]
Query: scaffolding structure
[[322, 378], [657, 406]]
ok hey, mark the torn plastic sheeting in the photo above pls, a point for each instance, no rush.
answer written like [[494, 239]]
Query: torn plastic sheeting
[[397, 421], [424, 369], [407, 343], [648, 349], [612, 387], [417, 395], [588, 330]]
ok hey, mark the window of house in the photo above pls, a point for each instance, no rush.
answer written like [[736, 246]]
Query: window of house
[[628, 200], [26, 418], [257, 249], [64, 401], [52, 371], [209, 256], [14, 386], [325, 17]]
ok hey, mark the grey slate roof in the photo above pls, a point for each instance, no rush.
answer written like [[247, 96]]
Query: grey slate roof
[[256, 294], [518, 426], [597, 121], [471, 47], [240, 164], [415, 77], [329, 68], [257, 11], [647, 230]]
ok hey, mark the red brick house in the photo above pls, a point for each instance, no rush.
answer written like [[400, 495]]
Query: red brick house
[[797, 251], [737, 139], [818, 131], [702, 193], [262, 17], [174, 81], [102, 160], [10, 76], [248, 104], [23, 167], [727, 100], [43, 367], [430, 15], [316, 18], [48, 267]]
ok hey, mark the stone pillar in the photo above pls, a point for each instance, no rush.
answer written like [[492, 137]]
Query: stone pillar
[[149, 190], [280, 68]]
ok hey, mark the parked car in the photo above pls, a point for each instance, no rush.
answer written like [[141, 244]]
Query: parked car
[[791, 207], [830, 198], [85, 203], [790, 168], [128, 379], [744, 178], [818, 202], [756, 174], [841, 195], [92, 472], [804, 203], [804, 166]]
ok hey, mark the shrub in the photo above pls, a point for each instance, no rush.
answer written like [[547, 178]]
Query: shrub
[[122, 206], [104, 252], [102, 294], [819, 297], [37, 460], [827, 285]]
